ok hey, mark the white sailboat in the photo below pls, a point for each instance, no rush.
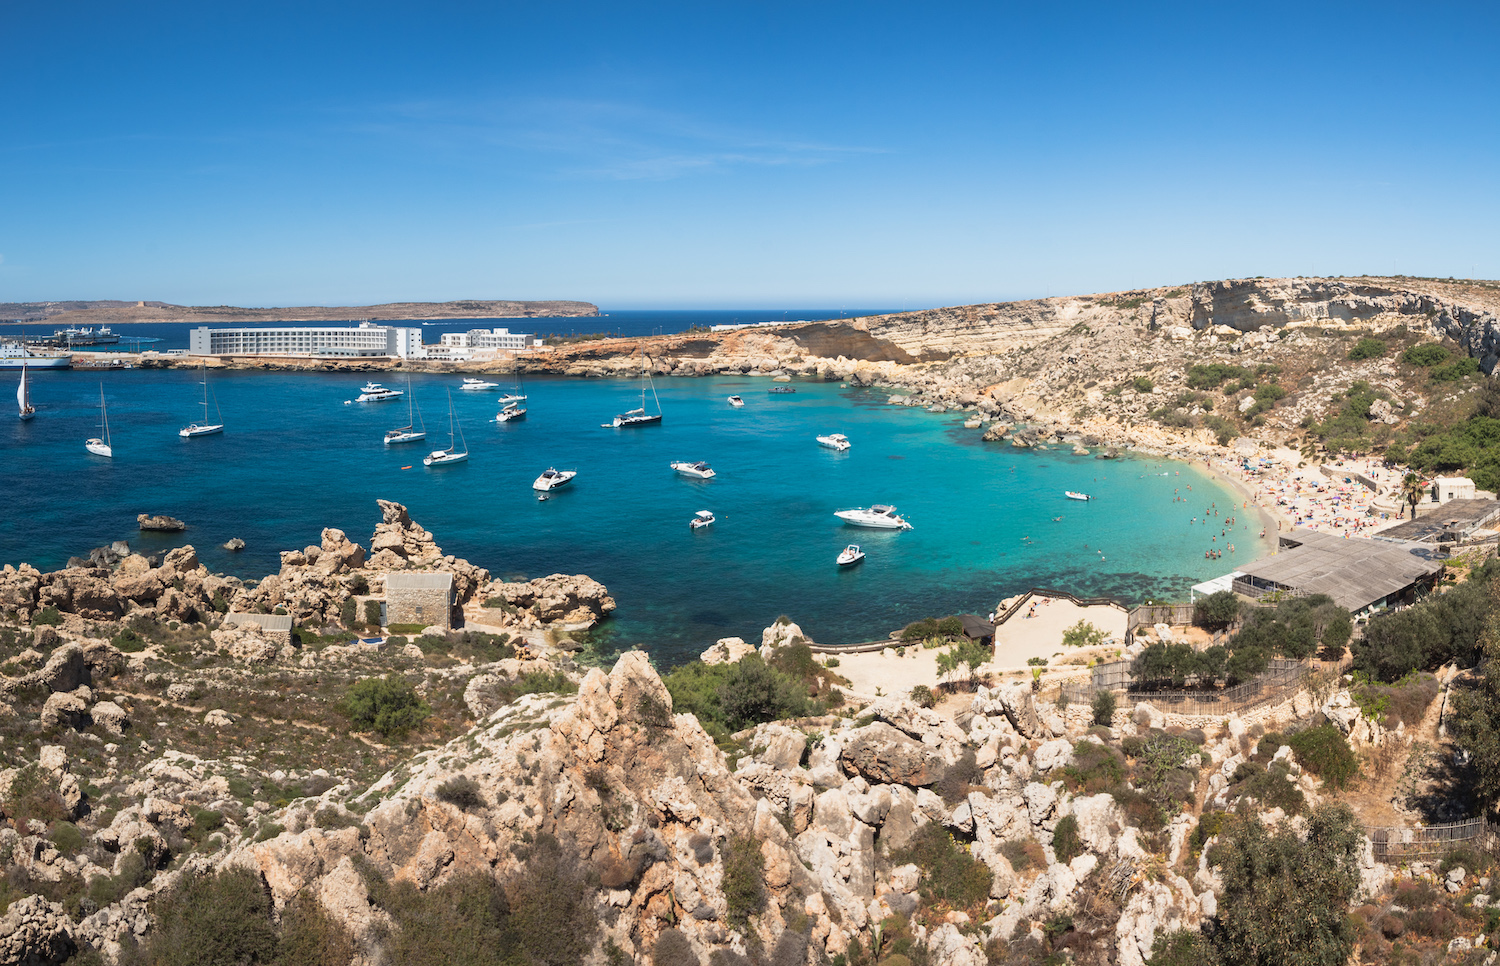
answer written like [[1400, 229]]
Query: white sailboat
[[408, 433], [23, 398], [442, 457], [639, 417], [204, 428], [97, 446]]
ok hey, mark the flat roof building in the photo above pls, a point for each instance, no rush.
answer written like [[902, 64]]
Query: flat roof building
[[362, 341], [1357, 572], [1454, 522]]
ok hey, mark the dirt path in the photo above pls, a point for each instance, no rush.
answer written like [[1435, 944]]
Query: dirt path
[[1411, 770]]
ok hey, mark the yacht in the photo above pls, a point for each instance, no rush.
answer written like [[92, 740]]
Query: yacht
[[701, 519], [97, 446], [553, 478], [408, 433], [639, 416], [510, 413], [443, 457], [375, 392], [700, 469], [836, 441], [736, 402], [878, 516], [479, 385], [204, 428], [851, 555], [1076, 496]]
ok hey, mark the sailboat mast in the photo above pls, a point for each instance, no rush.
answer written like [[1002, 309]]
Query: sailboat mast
[[104, 414]]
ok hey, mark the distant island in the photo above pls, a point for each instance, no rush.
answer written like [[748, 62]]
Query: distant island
[[117, 312]]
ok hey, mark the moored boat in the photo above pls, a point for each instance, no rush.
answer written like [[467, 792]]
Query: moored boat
[[701, 519], [101, 446], [879, 516], [408, 433], [553, 478], [443, 457], [204, 428], [836, 441], [736, 402], [375, 392], [851, 555], [1076, 496], [510, 413], [14, 355], [478, 385], [639, 416]]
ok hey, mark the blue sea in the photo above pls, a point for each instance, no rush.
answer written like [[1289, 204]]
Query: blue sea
[[990, 520]]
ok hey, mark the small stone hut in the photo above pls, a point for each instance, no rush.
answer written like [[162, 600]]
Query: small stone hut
[[419, 597], [273, 627]]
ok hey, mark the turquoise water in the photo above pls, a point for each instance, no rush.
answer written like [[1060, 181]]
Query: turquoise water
[[295, 459]]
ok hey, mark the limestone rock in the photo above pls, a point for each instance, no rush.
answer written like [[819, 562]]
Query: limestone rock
[[35, 932], [885, 755], [559, 598], [111, 717], [63, 710], [727, 650], [161, 522], [234, 543]]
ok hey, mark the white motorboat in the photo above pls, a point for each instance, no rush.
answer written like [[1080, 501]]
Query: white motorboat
[[701, 519], [736, 402], [552, 478], [97, 446], [408, 433], [375, 392], [699, 470], [510, 413], [23, 398], [204, 428], [479, 385], [639, 416], [851, 555], [879, 517], [512, 397], [1076, 496], [442, 457], [836, 441]]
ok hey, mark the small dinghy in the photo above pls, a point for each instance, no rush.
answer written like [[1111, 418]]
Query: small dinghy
[[736, 402], [1076, 496], [701, 519], [851, 555]]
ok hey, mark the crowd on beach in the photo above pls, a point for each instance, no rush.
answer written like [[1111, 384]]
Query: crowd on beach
[[1342, 504]]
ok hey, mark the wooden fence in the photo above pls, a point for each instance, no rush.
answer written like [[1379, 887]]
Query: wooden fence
[[1024, 599], [1281, 679], [1396, 844]]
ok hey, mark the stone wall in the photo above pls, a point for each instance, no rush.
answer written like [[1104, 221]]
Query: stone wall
[[430, 606]]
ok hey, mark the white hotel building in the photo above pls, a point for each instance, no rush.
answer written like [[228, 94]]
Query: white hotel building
[[364, 341]]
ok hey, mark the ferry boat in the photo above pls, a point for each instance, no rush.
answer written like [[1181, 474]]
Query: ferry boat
[[836, 441], [879, 516], [73, 336], [14, 355]]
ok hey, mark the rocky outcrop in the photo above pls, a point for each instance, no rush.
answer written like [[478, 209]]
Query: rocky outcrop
[[572, 600], [35, 932], [160, 522]]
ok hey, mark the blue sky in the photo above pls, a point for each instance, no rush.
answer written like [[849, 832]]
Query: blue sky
[[737, 154]]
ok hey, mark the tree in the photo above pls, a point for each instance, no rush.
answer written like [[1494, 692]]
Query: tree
[[1412, 491], [1396, 644], [1476, 711], [1286, 898], [753, 693], [966, 656], [1104, 707], [214, 919], [1217, 610]]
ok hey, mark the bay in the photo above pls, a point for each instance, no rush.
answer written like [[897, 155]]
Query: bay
[[990, 520]]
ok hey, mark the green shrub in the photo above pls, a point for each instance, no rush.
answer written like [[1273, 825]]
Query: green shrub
[[216, 918], [1024, 854], [1104, 707], [1182, 947], [1367, 348], [106, 890], [673, 949], [1094, 768], [1426, 355], [958, 778], [744, 880], [1083, 634], [923, 696], [312, 937], [754, 693], [47, 615], [1455, 371], [1324, 751], [67, 838], [462, 792], [1065, 841], [950, 874], [372, 613], [349, 612], [388, 706], [1142, 384], [1214, 374]]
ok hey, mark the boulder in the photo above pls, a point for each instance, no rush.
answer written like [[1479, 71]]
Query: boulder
[[35, 932], [884, 755], [234, 543], [64, 710], [779, 634], [111, 717], [727, 650], [1053, 754], [161, 522], [66, 669]]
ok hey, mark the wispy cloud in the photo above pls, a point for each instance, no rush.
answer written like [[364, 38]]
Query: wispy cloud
[[590, 139]]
